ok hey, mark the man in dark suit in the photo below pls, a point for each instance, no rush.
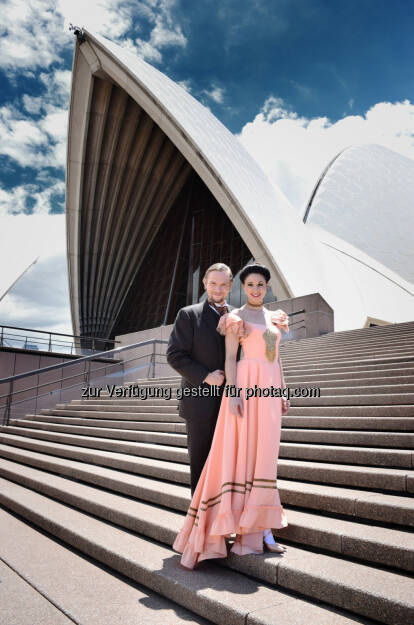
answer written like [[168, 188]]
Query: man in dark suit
[[197, 351]]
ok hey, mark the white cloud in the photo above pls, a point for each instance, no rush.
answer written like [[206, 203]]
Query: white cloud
[[295, 150], [31, 142], [16, 200], [31, 34], [215, 93], [185, 84], [146, 50], [21, 138], [164, 33], [32, 104], [57, 84], [33, 130], [40, 298], [34, 34]]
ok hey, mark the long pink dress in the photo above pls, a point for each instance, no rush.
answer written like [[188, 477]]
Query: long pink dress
[[237, 490]]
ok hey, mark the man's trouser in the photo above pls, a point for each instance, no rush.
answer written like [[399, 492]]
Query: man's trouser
[[200, 434]]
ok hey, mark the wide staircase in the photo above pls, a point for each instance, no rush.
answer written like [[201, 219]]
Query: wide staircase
[[101, 486]]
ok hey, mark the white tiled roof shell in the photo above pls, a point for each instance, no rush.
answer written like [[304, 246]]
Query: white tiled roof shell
[[366, 197], [309, 258], [264, 208]]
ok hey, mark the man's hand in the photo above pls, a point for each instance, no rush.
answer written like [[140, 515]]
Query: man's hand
[[215, 378], [236, 406]]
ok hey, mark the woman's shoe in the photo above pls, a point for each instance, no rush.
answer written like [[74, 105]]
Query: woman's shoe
[[275, 547]]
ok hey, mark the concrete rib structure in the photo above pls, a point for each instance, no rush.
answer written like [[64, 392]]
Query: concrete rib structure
[[158, 189]]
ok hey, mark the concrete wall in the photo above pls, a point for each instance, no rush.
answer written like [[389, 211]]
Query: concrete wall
[[317, 319], [141, 366], [14, 361]]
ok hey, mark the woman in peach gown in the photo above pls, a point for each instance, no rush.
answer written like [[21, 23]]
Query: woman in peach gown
[[237, 491]]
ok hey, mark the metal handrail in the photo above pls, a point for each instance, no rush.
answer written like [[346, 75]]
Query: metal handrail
[[47, 343], [70, 363], [74, 336], [75, 376], [69, 377], [86, 373]]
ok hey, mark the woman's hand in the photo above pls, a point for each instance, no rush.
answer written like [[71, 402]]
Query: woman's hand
[[236, 406], [285, 405]]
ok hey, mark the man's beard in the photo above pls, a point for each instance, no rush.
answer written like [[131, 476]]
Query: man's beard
[[217, 301]]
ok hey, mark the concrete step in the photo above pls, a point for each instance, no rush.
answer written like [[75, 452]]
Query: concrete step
[[385, 383], [370, 456], [151, 450], [351, 538], [337, 405], [359, 389], [383, 410], [21, 602], [373, 592], [371, 424], [350, 423], [108, 412], [374, 439], [349, 475], [355, 370], [351, 502], [327, 390], [363, 413], [404, 329], [137, 405], [352, 382], [375, 399], [162, 438], [382, 380], [216, 591], [401, 440], [324, 359], [380, 343], [161, 379], [95, 420], [354, 374], [32, 592], [391, 342], [345, 368]]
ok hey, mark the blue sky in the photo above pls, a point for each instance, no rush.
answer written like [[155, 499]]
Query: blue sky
[[296, 80]]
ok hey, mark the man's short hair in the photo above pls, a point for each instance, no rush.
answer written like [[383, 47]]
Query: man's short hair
[[219, 267]]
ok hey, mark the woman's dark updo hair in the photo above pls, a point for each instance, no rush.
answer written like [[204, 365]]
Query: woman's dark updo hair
[[256, 268]]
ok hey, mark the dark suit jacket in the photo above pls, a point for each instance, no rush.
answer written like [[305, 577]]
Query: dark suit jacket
[[195, 348]]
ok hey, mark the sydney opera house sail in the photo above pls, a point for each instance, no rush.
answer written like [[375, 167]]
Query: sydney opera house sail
[[158, 189], [366, 196]]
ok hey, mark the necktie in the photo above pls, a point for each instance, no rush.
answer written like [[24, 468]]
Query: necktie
[[220, 309]]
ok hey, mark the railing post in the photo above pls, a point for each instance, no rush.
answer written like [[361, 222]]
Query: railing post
[[8, 404], [1, 339], [50, 342], [87, 374], [153, 360]]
